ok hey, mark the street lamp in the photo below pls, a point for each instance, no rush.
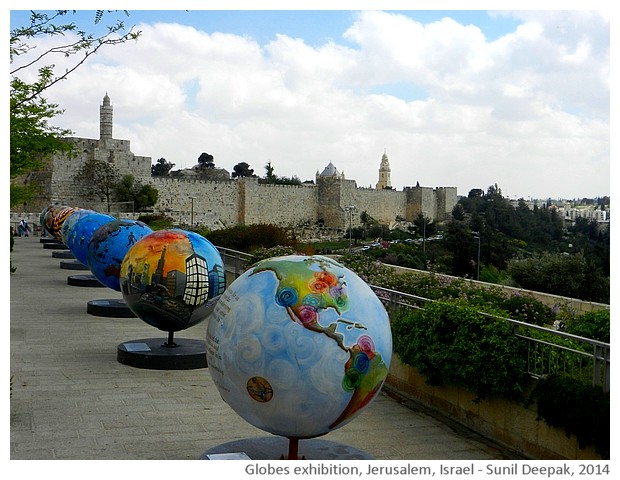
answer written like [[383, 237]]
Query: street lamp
[[350, 208], [191, 223], [477, 236]]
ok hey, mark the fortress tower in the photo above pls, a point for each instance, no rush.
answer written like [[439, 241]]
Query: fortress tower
[[106, 120], [384, 173]]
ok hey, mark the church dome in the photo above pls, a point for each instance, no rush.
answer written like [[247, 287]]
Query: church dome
[[330, 171]]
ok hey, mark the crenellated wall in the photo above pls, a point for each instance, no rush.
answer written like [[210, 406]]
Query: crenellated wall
[[225, 203]]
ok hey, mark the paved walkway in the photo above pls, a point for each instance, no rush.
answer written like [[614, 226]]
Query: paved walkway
[[72, 398]]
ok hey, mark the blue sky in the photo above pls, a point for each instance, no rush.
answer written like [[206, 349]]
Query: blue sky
[[465, 98]]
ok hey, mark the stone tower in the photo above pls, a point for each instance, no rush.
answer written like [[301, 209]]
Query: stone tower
[[384, 173], [105, 119]]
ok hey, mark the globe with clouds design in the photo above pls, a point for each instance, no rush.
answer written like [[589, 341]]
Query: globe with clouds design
[[299, 345]]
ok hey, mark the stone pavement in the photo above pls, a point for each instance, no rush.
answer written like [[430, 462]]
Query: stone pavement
[[73, 400]]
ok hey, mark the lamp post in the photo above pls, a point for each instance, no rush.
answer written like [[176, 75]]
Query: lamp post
[[350, 208], [191, 223], [477, 236]]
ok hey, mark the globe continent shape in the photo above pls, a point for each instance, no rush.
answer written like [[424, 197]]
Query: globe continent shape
[[171, 279], [108, 246], [80, 231], [298, 346]]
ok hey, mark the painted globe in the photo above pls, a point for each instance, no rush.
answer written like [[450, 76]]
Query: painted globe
[[43, 216], [171, 279], [57, 220], [298, 346], [70, 221], [108, 246], [79, 231], [47, 218]]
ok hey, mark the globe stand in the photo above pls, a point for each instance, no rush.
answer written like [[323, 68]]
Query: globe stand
[[62, 254], [274, 448], [72, 265], [116, 308], [84, 281], [163, 354]]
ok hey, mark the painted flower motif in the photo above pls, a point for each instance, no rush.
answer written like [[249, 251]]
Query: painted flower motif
[[314, 300], [361, 362], [307, 314], [326, 277], [318, 286], [366, 345], [352, 379], [286, 296]]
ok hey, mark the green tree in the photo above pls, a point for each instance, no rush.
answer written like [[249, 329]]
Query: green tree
[[161, 168], [142, 196], [32, 138], [242, 169], [97, 177], [205, 161]]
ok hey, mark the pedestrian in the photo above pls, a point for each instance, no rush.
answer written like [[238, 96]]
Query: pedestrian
[[23, 228]]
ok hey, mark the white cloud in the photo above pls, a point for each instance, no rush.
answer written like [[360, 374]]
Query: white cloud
[[528, 111]]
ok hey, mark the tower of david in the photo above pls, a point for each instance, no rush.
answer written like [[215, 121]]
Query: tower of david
[[218, 204]]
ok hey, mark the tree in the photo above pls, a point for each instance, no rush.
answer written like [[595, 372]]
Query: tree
[[161, 168], [32, 139], [80, 48], [97, 177], [269, 175], [142, 196], [205, 160], [242, 169]]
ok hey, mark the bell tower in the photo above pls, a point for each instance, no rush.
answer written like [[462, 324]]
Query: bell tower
[[384, 173]]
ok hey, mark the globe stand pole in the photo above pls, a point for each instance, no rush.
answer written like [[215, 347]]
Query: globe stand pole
[[170, 343], [293, 448]]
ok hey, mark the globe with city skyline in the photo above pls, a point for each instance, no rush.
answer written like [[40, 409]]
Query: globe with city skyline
[[299, 345], [171, 279]]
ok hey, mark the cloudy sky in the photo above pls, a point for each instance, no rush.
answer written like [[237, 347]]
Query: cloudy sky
[[467, 98]]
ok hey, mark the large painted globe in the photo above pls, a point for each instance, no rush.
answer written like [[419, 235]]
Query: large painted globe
[[79, 230], [172, 279], [108, 246], [298, 346]]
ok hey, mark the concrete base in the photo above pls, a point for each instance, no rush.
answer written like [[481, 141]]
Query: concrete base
[[150, 353], [110, 308], [279, 448]]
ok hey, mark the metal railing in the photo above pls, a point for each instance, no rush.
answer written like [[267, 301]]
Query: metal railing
[[548, 350]]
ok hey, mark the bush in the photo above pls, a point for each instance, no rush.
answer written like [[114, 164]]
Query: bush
[[580, 409], [453, 344], [594, 325], [245, 238], [157, 222]]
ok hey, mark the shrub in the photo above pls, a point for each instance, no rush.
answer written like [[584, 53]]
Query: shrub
[[453, 344], [594, 325], [580, 409]]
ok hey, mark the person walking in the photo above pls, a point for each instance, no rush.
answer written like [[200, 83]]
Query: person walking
[[23, 227]]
